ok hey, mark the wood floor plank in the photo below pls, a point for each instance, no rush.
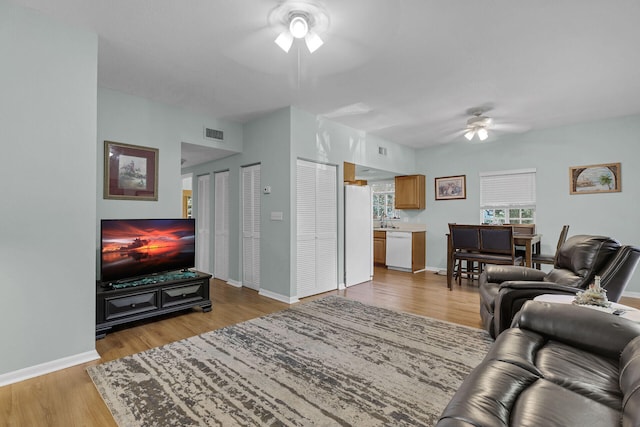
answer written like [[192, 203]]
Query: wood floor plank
[[68, 397]]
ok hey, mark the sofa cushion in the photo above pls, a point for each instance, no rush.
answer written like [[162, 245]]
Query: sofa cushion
[[547, 404], [488, 395], [519, 347], [579, 327], [564, 278], [559, 365], [582, 255], [630, 383], [582, 372]]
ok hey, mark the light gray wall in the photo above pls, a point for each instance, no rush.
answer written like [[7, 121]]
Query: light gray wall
[[133, 120], [276, 141], [318, 139], [48, 84], [551, 152], [266, 141]]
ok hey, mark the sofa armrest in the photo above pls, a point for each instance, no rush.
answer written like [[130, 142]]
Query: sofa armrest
[[580, 327], [543, 287], [502, 273], [512, 295]]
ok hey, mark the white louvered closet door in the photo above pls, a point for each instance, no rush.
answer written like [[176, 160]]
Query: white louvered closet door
[[251, 227], [203, 221], [306, 229], [221, 226], [326, 228], [317, 229]]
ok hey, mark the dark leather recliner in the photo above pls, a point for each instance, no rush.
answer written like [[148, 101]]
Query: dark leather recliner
[[504, 289], [561, 365]]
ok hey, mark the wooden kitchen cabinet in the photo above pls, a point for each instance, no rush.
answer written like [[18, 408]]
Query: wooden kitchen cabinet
[[350, 175], [379, 247], [406, 250], [349, 172], [418, 250], [410, 192]]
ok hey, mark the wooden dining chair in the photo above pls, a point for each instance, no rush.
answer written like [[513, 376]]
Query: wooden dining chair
[[538, 259], [520, 229], [528, 229], [465, 243], [496, 246]]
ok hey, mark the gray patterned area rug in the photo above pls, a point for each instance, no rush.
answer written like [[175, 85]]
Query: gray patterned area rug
[[331, 361]]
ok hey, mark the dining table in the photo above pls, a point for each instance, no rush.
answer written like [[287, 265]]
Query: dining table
[[530, 242]]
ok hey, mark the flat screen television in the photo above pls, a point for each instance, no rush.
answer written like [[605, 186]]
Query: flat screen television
[[132, 248]]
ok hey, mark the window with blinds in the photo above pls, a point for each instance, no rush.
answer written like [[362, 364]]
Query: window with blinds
[[508, 197]]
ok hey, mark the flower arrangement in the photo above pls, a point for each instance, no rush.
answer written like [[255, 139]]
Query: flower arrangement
[[594, 295]]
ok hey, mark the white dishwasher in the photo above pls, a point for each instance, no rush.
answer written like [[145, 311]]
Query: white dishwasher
[[399, 250]]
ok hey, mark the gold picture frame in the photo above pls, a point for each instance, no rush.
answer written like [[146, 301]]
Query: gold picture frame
[[130, 172], [591, 179], [451, 187]]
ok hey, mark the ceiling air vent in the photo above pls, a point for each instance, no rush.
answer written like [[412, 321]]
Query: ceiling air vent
[[213, 134]]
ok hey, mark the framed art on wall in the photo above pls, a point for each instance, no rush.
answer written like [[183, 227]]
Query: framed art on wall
[[451, 187], [130, 172], [602, 178]]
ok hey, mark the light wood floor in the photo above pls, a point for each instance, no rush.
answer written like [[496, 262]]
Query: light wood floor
[[68, 397]]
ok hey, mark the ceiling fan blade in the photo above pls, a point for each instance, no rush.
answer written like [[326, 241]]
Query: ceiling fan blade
[[348, 110], [457, 135], [510, 127]]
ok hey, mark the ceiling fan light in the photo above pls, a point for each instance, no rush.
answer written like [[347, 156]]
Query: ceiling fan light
[[313, 41], [469, 134], [483, 134], [298, 27], [285, 40]]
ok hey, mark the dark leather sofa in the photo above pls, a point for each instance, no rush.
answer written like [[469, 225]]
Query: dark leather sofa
[[504, 289], [560, 365]]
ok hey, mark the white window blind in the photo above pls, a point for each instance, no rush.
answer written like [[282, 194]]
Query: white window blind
[[513, 188]]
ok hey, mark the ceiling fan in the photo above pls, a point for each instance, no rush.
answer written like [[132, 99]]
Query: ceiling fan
[[299, 20], [478, 125], [482, 125]]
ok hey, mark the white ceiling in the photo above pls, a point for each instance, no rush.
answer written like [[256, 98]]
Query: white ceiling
[[410, 69]]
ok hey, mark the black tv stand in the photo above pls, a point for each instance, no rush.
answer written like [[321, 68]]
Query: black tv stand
[[120, 303]]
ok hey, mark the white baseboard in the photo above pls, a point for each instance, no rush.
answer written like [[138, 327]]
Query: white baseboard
[[47, 367], [631, 294], [278, 297], [342, 286], [234, 283]]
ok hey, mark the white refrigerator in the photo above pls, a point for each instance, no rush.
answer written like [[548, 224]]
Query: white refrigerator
[[358, 234]]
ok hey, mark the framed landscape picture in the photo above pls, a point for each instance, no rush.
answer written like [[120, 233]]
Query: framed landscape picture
[[451, 187], [602, 178], [130, 172]]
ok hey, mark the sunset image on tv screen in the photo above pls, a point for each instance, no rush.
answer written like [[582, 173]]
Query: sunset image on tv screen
[[132, 248]]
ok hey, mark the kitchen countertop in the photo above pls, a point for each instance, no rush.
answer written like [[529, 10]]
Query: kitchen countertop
[[407, 227]]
